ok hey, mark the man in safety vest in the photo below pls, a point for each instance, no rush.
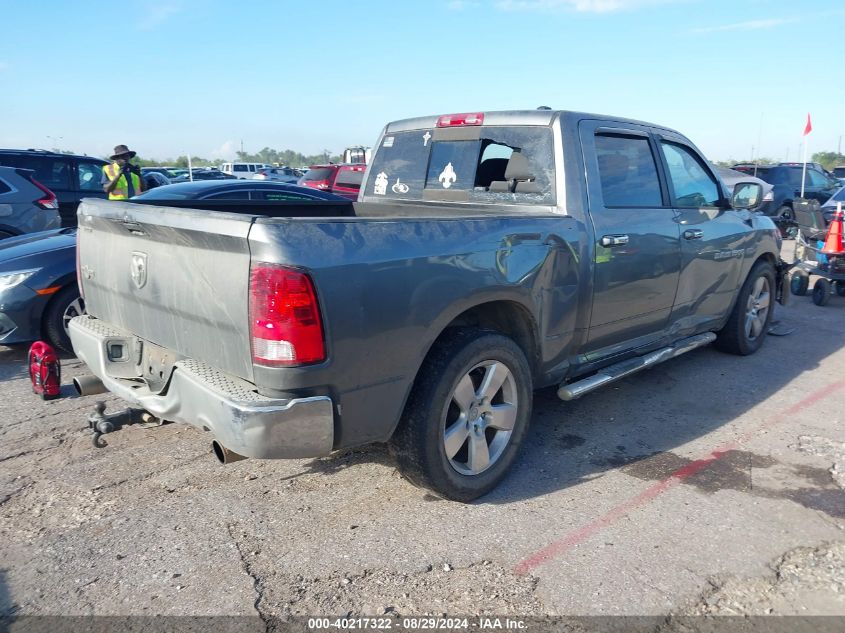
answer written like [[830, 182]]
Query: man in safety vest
[[121, 179]]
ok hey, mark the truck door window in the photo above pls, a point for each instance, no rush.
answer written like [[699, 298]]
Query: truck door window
[[627, 171], [692, 184]]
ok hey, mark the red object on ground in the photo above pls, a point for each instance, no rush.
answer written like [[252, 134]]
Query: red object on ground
[[45, 371], [834, 244]]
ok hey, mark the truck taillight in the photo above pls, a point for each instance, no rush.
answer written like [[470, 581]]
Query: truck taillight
[[48, 200], [453, 120], [284, 317]]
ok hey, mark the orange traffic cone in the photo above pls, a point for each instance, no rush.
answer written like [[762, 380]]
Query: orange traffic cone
[[834, 244]]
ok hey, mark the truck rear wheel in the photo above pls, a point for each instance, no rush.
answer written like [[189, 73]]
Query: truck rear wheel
[[748, 324], [467, 415]]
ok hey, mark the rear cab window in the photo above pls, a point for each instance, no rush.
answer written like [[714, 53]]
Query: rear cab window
[[349, 178], [495, 164], [318, 174]]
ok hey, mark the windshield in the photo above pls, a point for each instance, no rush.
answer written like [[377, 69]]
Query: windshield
[[504, 165]]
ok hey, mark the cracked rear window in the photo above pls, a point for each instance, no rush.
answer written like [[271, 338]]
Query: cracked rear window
[[506, 165]]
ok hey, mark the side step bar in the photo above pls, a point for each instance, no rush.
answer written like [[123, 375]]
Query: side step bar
[[577, 389]]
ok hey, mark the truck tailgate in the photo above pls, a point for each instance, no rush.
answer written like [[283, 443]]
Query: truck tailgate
[[178, 278]]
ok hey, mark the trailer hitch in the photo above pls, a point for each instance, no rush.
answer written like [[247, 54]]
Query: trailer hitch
[[101, 423]]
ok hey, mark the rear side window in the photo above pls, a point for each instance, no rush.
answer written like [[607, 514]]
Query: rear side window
[[694, 187], [349, 179], [240, 168], [280, 196], [505, 165], [793, 176], [317, 174], [4, 188], [229, 195], [627, 171], [839, 172], [53, 173]]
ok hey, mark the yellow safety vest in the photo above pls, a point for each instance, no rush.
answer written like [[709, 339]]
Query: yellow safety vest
[[121, 191]]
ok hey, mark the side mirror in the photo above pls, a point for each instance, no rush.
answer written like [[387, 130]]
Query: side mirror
[[747, 195]]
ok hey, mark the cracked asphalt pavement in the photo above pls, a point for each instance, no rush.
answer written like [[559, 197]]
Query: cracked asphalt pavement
[[710, 484]]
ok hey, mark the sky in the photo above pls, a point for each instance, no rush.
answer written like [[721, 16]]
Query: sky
[[168, 77]]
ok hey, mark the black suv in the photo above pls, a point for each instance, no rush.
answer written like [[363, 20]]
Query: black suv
[[68, 176], [786, 182]]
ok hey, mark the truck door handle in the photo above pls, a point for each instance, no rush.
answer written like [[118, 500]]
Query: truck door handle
[[693, 234], [614, 240]]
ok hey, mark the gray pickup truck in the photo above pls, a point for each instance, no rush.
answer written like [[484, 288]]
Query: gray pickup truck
[[490, 254]]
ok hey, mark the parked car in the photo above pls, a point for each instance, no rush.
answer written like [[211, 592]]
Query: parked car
[[243, 170], [70, 177], [203, 174], [786, 181], [478, 266], [153, 179], [732, 178], [38, 291], [343, 180], [164, 171], [26, 206], [278, 174], [236, 189]]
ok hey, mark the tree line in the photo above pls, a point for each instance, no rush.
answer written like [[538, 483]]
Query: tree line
[[828, 160]]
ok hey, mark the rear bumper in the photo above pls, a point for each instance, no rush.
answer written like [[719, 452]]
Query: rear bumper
[[239, 418]]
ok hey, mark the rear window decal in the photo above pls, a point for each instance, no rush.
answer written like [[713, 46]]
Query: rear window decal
[[399, 187], [448, 177], [426, 138], [388, 141], [380, 188]]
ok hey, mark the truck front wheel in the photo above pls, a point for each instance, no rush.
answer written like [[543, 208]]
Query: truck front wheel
[[467, 415], [748, 324]]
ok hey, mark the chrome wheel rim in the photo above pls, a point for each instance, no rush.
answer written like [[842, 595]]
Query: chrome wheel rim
[[479, 418], [74, 309], [757, 310]]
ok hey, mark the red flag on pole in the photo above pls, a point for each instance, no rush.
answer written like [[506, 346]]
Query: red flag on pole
[[809, 127]]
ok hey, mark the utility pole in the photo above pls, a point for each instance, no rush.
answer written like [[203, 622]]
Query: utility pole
[[242, 147], [839, 147]]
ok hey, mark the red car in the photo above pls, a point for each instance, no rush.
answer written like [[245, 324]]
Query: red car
[[341, 180]]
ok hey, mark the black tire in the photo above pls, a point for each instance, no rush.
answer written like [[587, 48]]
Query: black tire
[[799, 283], [785, 218], [821, 292], [734, 337], [840, 288], [419, 442], [60, 310]]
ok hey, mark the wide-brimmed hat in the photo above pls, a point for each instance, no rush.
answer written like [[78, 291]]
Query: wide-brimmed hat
[[122, 150]]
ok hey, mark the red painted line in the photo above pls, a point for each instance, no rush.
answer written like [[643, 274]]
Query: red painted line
[[583, 533]]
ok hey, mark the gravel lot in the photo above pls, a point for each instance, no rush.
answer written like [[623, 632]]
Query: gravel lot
[[708, 485]]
